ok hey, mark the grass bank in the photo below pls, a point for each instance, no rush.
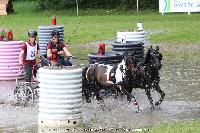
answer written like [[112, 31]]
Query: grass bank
[[103, 24], [184, 127]]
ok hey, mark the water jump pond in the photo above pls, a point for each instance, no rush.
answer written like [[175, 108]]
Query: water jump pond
[[180, 79]]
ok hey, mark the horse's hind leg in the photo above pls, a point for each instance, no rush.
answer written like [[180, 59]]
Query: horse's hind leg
[[87, 92], [148, 93], [97, 92], [99, 99], [162, 95], [86, 86]]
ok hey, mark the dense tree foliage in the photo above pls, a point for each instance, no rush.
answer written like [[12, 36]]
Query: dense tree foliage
[[120, 4]]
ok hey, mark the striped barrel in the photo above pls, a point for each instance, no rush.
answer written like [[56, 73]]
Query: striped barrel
[[44, 35], [10, 69]]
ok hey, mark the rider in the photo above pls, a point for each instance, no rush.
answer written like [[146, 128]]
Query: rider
[[27, 56], [61, 48]]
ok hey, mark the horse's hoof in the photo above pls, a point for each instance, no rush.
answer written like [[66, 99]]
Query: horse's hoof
[[88, 100], [157, 103], [137, 109], [152, 107], [114, 96]]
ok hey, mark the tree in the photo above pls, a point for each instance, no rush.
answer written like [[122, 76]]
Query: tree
[[123, 4]]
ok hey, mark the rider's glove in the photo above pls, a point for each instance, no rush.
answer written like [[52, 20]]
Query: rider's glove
[[70, 57]]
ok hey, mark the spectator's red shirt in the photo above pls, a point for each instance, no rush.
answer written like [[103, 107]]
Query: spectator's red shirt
[[51, 45], [24, 47], [55, 45]]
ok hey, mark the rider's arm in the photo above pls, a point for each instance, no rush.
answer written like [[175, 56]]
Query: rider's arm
[[49, 53], [64, 47], [67, 53], [21, 55], [38, 51]]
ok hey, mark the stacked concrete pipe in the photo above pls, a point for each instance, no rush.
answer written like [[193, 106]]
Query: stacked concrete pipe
[[44, 34], [10, 69], [60, 102], [130, 41], [110, 57]]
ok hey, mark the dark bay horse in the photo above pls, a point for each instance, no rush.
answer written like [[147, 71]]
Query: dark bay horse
[[146, 75], [105, 76]]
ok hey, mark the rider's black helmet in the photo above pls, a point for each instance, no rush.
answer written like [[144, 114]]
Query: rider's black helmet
[[32, 33], [55, 33]]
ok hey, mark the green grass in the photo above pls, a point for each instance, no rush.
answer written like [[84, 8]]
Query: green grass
[[103, 24], [184, 127]]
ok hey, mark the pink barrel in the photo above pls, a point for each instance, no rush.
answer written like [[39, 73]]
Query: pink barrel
[[9, 65]]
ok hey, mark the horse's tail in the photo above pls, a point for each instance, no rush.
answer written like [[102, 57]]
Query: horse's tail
[[84, 73], [86, 90]]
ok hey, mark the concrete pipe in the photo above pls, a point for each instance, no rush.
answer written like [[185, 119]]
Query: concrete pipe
[[136, 36], [9, 65], [60, 102]]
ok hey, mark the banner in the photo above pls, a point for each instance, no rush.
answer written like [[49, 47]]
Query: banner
[[179, 6]]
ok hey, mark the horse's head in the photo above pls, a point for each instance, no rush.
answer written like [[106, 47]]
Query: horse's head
[[154, 57], [130, 61]]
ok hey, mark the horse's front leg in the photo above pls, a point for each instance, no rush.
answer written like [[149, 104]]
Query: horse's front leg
[[148, 93], [129, 90], [132, 98], [162, 95]]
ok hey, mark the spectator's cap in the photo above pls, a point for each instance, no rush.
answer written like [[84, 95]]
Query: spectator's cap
[[32, 33]]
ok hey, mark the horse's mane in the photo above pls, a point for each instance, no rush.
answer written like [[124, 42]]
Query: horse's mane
[[147, 55], [145, 60]]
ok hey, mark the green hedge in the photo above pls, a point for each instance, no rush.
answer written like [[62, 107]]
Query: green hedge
[[83, 4]]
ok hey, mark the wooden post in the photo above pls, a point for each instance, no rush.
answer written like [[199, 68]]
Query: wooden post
[[5, 7]]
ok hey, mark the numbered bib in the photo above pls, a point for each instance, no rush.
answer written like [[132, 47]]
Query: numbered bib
[[31, 52]]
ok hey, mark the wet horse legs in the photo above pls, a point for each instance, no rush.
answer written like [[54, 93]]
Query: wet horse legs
[[87, 92], [96, 92], [131, 97], [162, 95], [148, 93]]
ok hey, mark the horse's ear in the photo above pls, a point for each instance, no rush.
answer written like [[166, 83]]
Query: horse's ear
[[150, 47], [157, 48], [148, 51]]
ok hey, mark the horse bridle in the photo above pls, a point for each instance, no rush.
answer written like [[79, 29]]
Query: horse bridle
[[129, 65], [156, 57]]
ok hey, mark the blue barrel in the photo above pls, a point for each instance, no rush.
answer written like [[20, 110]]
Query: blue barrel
[[44, 35]]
